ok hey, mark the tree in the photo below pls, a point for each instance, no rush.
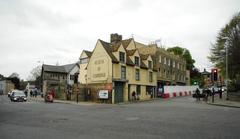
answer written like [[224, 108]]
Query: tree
[[1, 77], [228, 38], [36, 76], [195, 75], [185, 54], [35, 73], [14, 74], [14, 78]]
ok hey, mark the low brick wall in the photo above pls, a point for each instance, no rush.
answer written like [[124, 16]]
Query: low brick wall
[[93, 89]]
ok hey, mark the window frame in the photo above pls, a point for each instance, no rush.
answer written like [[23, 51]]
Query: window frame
[[137, 61], [122, 58], [123, 72], [150, 76], [137, 74]]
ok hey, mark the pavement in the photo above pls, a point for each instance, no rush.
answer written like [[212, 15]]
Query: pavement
[[217, 101], [223, 102], [40, 99]]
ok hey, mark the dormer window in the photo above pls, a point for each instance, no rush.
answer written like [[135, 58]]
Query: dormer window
[[137, 61], [149, 64], [122, 57]]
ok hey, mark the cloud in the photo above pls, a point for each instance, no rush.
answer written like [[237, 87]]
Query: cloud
[[58, 30]]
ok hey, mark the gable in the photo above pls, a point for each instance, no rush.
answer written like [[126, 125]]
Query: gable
[[83, 55], [131, 45], [120, 49], [136, 53]]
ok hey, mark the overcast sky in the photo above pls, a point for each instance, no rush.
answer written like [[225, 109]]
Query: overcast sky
[[33, 32]]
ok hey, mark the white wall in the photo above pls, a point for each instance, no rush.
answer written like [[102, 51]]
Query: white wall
[[72, 72]]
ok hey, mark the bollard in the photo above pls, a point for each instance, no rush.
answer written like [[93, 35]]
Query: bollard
[[213, 98]]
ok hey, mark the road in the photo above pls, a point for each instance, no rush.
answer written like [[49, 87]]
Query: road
[[174, 118]]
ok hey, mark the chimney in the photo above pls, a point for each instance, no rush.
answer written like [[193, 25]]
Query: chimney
[[115, 38]]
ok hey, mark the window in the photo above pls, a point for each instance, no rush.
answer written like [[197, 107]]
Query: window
[[83, 60], [160, 59], [72, 77], [122, 57], [123, 72], [178, 65], [150, 76], [174, 64], [169, 62], [165, 60], [136, 61], [137, 75], [149, 64]]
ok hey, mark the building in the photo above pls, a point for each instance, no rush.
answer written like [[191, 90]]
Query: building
[[59, 78], [171, 69], [84, 58], [6, 86], [126, 66]]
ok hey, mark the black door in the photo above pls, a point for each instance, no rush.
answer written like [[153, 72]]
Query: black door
[[118, 96]]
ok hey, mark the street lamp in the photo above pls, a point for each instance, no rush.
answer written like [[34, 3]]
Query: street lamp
[[226, 47]]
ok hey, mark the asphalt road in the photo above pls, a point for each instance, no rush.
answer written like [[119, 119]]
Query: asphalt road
[[174, 118]]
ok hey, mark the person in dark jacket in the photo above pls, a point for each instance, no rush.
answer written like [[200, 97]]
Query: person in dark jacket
[[197, 94]]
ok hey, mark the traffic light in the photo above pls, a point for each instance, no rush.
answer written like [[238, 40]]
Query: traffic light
[[215, 74]]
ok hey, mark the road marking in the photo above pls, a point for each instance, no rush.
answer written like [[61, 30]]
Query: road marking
[[132, 118]]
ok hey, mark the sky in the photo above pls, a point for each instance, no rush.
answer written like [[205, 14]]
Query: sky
[[33, 32]]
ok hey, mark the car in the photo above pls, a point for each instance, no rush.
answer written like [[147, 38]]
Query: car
[[18, 95]]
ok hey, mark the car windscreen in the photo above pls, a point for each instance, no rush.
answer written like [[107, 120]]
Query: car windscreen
[[19, 93]]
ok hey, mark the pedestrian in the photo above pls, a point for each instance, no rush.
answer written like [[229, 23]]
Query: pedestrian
[[220, 93], [53, 93], [31, 93], [197, 94], [133, 96], [25, 92], [213, 93]]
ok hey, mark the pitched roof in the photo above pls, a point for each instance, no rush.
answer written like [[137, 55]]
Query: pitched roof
[[131, 52], [116, 46], [109, 49], [142, 65], [144, 57], [126, 42], [69, 67], [129, 61], [61, 69], [88, 53], [52, 68]]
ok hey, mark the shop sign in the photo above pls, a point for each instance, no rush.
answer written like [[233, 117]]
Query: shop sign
[[103, 94]]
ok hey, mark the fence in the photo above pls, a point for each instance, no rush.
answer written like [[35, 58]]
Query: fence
[[175, 91]]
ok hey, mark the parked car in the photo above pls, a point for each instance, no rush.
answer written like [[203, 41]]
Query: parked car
[[18, 95]]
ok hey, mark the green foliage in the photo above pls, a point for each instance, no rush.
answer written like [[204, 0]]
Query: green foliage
[[185, 54], [228, 38]]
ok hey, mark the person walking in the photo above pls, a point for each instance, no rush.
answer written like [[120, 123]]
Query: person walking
[[133, 96], [220, 93], [31, 93], [197, 94]]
